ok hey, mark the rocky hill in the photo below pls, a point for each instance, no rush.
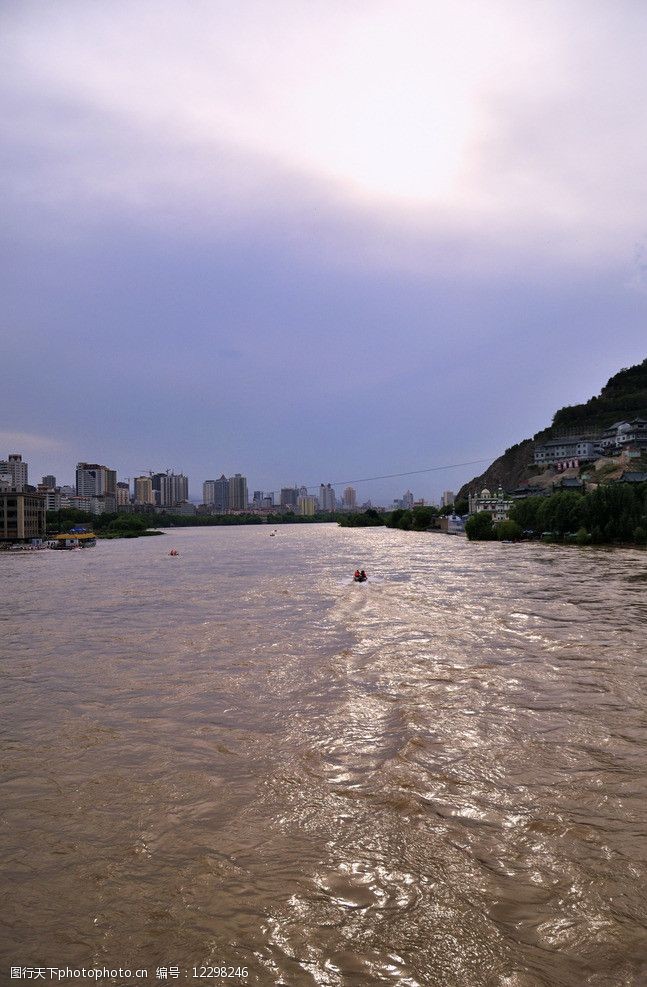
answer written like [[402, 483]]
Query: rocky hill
[[624, 396]]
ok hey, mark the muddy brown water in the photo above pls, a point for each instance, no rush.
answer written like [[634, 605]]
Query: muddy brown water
[[238, 757]]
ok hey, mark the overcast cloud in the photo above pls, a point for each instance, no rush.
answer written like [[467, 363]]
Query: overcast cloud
[[313, 242]]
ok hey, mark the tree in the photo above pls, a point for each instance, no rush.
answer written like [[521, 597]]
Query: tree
[[525, 513], [478, 527], [421, 518], [508, 531]]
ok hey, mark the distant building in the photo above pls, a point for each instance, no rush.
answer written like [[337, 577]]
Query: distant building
[[349, 498], [209, 492], [307, 505], [289, 497], [498, 504], [106, 504], [327, 500], [407, 500], [53, 499], [123, 494], [565, 449], [185, 508], [49, 482], [447, 498], [221, 495], [77, 503], [22, 516], [93, 480], [14, 471], [455, 525], [626, 433], [144, 490], [170, 489], [238, 493]]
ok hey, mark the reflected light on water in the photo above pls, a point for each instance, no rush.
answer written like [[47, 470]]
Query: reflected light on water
[[240, 756]]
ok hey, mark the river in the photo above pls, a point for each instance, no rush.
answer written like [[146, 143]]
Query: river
[[238, 757]]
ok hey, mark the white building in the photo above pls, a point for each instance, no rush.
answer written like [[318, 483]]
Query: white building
[[209, 492], [447, 498], [559, 450], [498, 504], [15, 471], [94, 480], [407, 500], [621, 434]]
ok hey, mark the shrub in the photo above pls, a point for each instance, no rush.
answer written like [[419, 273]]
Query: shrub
[[508, 531]]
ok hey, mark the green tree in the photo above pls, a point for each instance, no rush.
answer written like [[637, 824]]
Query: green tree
[[525, 512], [421, 518], [478, 527], [582, 537], [508, 531]]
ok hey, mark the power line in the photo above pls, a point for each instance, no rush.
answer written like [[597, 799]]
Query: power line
[[391, 476]]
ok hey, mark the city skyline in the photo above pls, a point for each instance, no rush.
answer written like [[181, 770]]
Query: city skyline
[[90, 479], [320, 243]]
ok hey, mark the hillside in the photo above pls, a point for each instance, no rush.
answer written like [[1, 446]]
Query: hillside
[[624, 396]]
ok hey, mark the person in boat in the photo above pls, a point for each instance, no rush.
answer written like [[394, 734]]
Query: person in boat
[[363, 575], [356, 576]]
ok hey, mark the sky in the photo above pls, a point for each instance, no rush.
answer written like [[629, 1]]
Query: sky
[[315, 241]]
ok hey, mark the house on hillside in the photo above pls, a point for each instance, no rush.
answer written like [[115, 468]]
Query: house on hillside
[[633, 477], [567, 449], [623, 435]]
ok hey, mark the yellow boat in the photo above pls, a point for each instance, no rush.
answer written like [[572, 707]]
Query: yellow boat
[[71, 539]]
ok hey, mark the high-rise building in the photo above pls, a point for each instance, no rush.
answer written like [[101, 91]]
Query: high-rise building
[[123, 494], [221, 494], [144, 490], [447, 498], [170, 489], [179, 488], [209, 492], [238, 493], [93, 480], [49, 481], [407, 500], [350, 498], [306, 505], [257, 499], [15, 470], [327, 501], [289, 497], [161, 489]]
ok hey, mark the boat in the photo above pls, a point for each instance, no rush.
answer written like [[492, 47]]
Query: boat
[[73, 539], [360, 579]]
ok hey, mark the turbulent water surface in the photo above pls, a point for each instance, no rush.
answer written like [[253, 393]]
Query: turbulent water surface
[[239, 757]]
